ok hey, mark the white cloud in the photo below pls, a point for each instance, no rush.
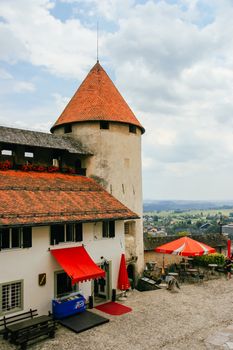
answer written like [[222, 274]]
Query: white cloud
[[9, 85], [172, 61], [39, 118], [111, 10], [4, 75], [64, 48], [60, 101], [177, 73]]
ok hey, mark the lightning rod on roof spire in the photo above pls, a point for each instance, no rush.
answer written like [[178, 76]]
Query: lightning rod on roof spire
[[97, 41]]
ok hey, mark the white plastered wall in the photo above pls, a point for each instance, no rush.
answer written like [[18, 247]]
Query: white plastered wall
[[27, 264]]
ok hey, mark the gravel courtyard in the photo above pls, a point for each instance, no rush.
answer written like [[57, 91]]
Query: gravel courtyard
[[160, 320]]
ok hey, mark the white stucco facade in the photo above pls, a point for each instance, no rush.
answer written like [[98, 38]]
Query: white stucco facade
[[26, 264]]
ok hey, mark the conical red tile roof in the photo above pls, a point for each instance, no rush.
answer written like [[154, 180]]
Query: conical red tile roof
[[97, 98]]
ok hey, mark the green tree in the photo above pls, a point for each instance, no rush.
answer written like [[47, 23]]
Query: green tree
[[183, 233]]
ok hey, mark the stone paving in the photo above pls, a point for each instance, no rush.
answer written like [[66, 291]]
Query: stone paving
[[222, 340], [196, 317]]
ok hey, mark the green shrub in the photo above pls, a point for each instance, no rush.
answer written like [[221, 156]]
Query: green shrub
[[205, 260], [183, 233]]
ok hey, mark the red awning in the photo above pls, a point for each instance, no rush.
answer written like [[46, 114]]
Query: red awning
[[77, 264]]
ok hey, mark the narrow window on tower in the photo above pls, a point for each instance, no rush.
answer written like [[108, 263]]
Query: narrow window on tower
[[104, 124], [132, 129], [67, 128]]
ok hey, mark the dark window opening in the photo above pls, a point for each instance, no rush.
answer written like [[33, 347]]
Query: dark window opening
[[105, 229], [79, 232], [78, 164], [57, 234], [16, 237], [132, 128], [64, 285], [67, 128], [15, 240], [27, 237], [78, 167], [5, 238], [111, 229], [69, 233], [66, 233], [104, 125], [108, 229]]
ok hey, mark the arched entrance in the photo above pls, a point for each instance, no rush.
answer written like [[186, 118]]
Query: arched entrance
[[132, 275]]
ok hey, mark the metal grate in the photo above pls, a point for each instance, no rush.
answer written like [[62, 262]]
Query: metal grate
[[11, 296], [127, 231]]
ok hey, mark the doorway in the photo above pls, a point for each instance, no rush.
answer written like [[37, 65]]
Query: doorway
[[132, 275], [101, 287]]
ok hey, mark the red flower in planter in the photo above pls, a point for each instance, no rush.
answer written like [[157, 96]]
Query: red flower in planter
[[68, 170], [39, 168], [26, 167], [5, 165], [52, 169]]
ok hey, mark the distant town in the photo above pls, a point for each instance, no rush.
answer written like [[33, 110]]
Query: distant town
[[165, 218]]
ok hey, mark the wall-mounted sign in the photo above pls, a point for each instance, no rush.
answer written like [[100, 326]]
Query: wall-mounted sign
[[42, 279]]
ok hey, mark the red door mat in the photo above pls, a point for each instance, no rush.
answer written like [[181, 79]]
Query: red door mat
[[113, 308]]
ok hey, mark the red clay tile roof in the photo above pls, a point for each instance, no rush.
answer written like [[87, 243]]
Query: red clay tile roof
[[97, 98], [42, 198]]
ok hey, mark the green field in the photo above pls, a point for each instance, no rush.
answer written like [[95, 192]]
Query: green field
[[189, 213]]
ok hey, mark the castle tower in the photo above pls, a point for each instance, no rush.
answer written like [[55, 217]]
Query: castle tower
[[99, 117]]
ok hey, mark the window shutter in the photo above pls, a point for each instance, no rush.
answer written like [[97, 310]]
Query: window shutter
[[52, 235], [105, 229], [27, 237], [79, 232], [111, 229], [5, 238]]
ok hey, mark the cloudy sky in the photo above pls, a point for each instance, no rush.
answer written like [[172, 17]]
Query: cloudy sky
[[172, 60]]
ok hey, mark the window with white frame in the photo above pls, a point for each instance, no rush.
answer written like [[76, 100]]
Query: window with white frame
[[6, 152], [108, 229], [11, 297], [28, 154], [55, 162], [15, 237], [60, 233]]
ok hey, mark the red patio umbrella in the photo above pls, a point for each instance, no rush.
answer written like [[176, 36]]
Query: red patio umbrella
[[185, 246], [229, 248], [123, 280]]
